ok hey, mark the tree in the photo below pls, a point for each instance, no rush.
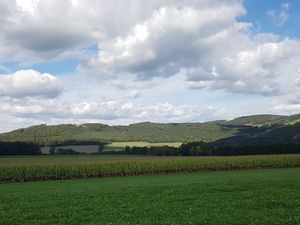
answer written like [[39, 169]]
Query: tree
[[52, 150]]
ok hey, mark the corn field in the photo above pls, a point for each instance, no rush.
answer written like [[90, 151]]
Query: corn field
[[137, 166]]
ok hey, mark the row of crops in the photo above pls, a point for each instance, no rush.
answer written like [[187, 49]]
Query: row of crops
[[135, 167]]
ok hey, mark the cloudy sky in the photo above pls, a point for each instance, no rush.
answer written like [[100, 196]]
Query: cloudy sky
[[126, 61]]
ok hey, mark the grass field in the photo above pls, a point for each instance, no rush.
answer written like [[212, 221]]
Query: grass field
[[20, 169], [249, 197], [142, 144]]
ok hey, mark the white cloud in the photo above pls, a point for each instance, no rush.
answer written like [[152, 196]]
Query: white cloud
[[152, 58], [111, 112], [152, 39], [34, 30], [209, 43], [280, 17], [285, 5], [133, 94], [266, 69], [72, 25], [172, 38], [24, 83]]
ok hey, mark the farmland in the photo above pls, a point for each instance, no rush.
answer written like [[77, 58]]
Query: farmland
[[246, 129], [256, 197], [19, 169], [142, 144], [111, 146]]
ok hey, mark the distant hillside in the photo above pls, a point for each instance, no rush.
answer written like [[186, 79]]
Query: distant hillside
[[263, 129], [257, 128], [148, 132], [256, 120]]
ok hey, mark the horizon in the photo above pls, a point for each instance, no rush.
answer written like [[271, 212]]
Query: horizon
[[113, 125], [127, 62]]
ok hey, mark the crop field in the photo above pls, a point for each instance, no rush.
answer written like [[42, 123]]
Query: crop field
[[24, 169], [248, 197]]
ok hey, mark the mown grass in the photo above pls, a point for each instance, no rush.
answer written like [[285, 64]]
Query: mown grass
[[250, 197], [133, 166]]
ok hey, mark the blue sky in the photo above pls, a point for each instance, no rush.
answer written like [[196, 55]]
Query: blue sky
[[68, 61], [257, 13]]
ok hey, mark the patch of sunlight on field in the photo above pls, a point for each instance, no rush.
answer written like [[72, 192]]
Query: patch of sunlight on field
[[141, 144], [291, 123]]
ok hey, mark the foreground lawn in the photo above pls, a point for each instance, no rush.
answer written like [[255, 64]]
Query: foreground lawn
[[266, 196]]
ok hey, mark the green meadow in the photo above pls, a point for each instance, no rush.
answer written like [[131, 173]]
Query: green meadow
[[254, 197]]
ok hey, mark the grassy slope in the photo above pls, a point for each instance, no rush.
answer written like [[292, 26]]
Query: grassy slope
[[263, 129], [255, 120], [259, 197], [261, 120]]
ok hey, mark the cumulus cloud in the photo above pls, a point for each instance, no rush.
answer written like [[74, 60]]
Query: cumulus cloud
[[38, 30], [35, 30], [28, 83], [214, 49], [110, 111], [146, 51], [154, 39], [172, 38], [265, 69]]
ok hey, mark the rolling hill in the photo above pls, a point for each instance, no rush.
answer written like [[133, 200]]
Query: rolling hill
[[257, 128]]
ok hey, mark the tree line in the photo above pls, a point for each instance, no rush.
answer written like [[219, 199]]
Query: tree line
[[186, 149], [19, 148], [205, 149]]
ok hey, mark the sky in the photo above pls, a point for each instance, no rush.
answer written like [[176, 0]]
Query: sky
[[128, 61]]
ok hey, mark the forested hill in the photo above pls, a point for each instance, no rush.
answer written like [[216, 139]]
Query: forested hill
[[149, 132], [242, 129]]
